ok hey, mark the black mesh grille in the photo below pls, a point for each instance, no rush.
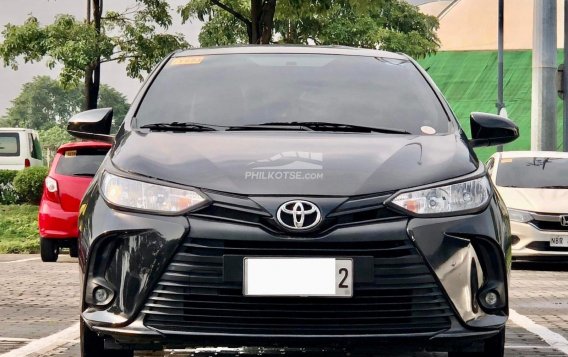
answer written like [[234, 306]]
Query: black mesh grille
[[403, 297]]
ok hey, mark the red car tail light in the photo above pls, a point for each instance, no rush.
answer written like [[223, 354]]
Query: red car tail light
[[27, 163], [51, 189]]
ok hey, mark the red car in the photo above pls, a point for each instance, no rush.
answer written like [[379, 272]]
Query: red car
[[71, 173]]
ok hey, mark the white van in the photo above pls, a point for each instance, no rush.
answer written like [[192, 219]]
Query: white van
[[19, 148]]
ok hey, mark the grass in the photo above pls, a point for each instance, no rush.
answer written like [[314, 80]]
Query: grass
[[18, 229]]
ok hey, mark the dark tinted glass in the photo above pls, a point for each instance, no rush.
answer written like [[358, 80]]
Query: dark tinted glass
[[235, 90], [80, 162], [533, 172], [9, 144]]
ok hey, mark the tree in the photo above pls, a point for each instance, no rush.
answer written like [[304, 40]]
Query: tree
[[45, 103], [254, 20], [391, 25], [130, 37]]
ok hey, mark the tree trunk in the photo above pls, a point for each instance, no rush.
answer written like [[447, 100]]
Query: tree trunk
[[92, 86], [93, 71], [255, 15], [262, 21], [267, 21]]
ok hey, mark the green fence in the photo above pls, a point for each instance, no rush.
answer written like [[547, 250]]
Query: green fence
[[469, 82]]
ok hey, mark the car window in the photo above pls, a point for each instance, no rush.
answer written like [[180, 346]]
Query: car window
[[9, 144], [247, 89], [36, 153], [533, 172], [35, 149], [81, 162]]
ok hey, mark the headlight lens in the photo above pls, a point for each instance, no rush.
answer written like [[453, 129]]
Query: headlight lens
[[145, 196], [519, 216], [459, 197]]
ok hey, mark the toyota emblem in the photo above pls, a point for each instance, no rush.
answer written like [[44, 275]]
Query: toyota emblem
[[298, 215], [564, 221]]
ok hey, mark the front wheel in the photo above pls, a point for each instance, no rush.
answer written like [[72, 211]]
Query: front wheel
[[49, 250], [494, 347], [94, 346]]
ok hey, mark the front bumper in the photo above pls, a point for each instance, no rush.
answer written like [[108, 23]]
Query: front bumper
[[529, 241], [174, 279]]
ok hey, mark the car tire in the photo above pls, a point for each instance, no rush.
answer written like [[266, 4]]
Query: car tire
[[74, 249], [494, 347], [94, 346], [49, 250]]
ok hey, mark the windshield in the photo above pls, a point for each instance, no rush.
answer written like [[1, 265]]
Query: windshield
[[81, 162], [9, 144], [533, 172], [252, 89]]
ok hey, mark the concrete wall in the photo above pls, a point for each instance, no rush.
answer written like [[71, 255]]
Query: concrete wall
[[471, 25]]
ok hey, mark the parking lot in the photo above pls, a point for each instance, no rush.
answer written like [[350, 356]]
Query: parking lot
[[39, 310]]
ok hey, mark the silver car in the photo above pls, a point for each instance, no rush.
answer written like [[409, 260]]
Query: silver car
[[534, 186]]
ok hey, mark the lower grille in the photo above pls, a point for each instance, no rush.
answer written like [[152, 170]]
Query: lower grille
[[403, 297], [545, 247]]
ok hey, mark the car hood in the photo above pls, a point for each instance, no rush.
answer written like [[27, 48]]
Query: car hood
[[536, 199], [294, 163]]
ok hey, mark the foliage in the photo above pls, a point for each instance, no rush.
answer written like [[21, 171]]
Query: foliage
[[7, 176], [51, 139], [392, 25], [45, 103], [132, 37], [29, 184], [18, 229], [8, 193]]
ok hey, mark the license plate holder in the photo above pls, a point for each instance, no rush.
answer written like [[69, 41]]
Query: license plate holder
[[298, 277]]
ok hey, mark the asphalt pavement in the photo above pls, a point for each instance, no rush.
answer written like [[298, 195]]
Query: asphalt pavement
[[39, 309]]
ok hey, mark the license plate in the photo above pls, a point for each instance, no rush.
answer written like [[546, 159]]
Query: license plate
[[559, 242], [322, 277]]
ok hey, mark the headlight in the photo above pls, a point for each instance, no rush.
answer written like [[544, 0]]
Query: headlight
[[519, 216], [145, 196], [457, 198]]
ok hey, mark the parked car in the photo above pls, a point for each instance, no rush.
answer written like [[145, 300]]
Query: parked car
[[71, 172], [292, 196], [534, 186], [19, 148]]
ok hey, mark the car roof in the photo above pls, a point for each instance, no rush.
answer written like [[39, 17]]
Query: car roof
[[84, 144], [16, 129], [290, 49], [514, 154]]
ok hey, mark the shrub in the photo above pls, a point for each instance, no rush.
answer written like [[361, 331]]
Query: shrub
[[29, 184], [7, 176], [8, 194]]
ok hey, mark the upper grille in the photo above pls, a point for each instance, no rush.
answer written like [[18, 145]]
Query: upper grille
[[243, 210], [401, 297], [549, 225]]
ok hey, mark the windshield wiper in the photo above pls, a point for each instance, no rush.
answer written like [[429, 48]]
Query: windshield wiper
[[269, 126], [178, 126], [559, 187], [85, 174], [324, 126]]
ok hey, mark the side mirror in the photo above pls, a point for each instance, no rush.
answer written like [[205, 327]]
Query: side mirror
[[93, 124], [491, 130]]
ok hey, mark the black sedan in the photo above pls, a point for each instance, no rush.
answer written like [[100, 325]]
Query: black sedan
[[293, 197]]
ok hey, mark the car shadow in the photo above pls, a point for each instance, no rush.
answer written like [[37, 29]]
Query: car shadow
[[541, 266]]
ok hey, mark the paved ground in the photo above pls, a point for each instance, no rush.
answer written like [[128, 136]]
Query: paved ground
[[38, 300]]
